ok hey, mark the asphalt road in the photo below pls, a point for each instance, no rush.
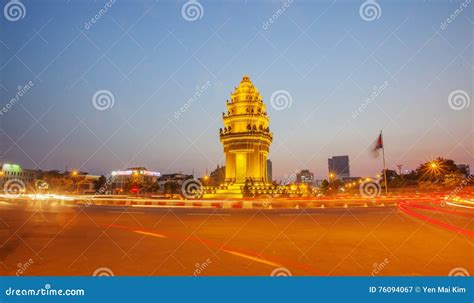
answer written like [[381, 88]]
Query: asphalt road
[[45, 238]]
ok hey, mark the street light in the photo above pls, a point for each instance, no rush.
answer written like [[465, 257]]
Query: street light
[[434, 167], [74, 174]]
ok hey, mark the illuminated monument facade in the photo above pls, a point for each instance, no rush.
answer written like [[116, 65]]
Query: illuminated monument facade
[[246, 138]]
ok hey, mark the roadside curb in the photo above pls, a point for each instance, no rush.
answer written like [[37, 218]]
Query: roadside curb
[[236, 204]]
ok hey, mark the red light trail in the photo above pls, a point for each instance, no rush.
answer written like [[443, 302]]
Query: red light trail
[[405, 208]]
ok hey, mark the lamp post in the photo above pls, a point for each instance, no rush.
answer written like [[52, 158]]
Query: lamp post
[[74, 174]]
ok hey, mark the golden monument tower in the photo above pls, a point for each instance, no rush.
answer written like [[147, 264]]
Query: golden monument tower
[[246, 136]]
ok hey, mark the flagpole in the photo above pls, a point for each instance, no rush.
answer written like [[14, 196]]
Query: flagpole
[[384, 168]]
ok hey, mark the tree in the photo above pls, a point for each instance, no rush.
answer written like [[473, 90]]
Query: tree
[[324, 186], [436, 170], [58, 182], [154, 187], [334, 185], [99, 184], [331, 187], [410, 179], [148, 186], [171, 187], [453, 180], [394, 179]]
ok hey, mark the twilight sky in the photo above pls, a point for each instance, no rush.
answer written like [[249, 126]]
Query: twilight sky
[[170, 79]]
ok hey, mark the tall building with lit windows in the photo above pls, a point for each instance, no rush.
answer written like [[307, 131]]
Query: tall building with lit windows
[[305, 177], [338, 167]]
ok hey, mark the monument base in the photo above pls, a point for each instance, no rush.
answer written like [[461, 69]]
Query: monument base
[[237, 191], [233, 191]]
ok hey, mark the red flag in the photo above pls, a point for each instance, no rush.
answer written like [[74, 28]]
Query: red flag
[[377, 146], [379, 143]]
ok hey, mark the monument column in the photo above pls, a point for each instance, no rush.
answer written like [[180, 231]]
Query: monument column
[[240, 167], [230, 167]]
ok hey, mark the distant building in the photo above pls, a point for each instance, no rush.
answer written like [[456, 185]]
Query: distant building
[[305, 177], [87, 185], [121, 177], [177, 178], [339, 166], [16, 172], [465, 168], [318, 182], [269, 171]]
